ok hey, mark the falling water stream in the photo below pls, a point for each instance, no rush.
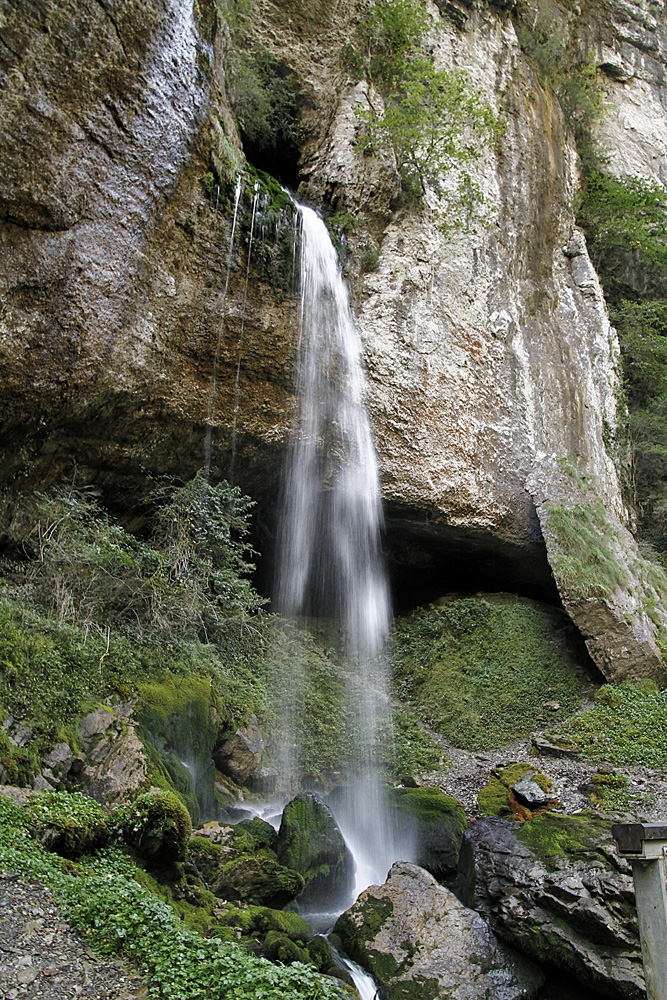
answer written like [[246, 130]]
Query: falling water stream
[[329, 557]]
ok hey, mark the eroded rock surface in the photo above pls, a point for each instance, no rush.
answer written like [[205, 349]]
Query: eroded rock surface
[[418, 939], [555, 889]]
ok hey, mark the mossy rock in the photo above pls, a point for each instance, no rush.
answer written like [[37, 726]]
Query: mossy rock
[[436, 822], [280, 948], [70, 824], [259, 920], [175, 717], [310, 842], [258, 879], [156, 825], [253, 835], [207, 857], [553, 835], [356, 929], [320, 953], [496, 797]]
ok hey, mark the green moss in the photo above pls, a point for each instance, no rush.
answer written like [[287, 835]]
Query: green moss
[[253, 835], [206, 856], [258, 879], [279, 948], [552, 836], [196, 916], [356, 929], [494, 798], [418, 988], [260, 920], [320, 953], [478, 670], [382, 964], [70, 824], [156, 825]]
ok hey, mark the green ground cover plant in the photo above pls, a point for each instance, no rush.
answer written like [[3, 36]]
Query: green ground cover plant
[[117, 915], [626, 727], [479, 670]]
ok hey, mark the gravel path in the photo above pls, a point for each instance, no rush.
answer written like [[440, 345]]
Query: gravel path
[[469, 772], [42, 958]]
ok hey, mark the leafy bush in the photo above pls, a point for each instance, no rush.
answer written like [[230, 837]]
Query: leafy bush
[[627, 214], [435, 121], [185, 582]]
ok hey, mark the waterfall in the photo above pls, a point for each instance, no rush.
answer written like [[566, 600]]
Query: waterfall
[[213, 391], [329, 559]]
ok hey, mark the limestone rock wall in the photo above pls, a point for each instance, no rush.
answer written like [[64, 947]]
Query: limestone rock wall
[[488, 351]]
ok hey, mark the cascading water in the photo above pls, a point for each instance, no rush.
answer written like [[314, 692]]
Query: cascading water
[[213, 391], [329, 560]]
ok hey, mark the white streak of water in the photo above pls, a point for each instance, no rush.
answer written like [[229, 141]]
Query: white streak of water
[[329, 560], [213, 391]]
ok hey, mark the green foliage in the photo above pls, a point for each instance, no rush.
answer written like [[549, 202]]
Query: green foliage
[[70, 824], [479, 670], [185, 582], [611, 791], [626, 727], [102, 897], [435, 121], [156, 825], [586, 564], [627, 214]]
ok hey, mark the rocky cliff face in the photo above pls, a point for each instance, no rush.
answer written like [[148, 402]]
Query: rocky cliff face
[[488, 352]]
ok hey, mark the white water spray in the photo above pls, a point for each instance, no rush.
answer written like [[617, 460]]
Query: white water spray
[[329, 561]]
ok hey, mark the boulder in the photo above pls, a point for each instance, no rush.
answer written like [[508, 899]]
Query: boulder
[[555, 888], [259, 880], [310, 842], [157, 826], [434, 824], [241, 755], [418, 940]]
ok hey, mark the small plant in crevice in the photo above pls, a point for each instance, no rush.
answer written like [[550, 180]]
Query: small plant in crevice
[[436, 122]]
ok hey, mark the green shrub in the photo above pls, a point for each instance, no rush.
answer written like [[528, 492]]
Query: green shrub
[[434, 121]]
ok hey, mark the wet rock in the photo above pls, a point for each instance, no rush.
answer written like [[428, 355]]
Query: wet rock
[[434, 825], [417, 939], [57, 764], [531, 794], [555, 889], [116, 766], [241, 755], [259, 880], [310, 842]]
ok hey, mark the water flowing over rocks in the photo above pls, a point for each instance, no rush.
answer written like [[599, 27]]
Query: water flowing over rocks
[[418, 940]]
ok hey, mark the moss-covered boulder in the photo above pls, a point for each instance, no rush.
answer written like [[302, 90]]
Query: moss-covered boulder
[[310, 842], [435, 825], [258, 878], [555, 888], [516, 790], [156, 825], [253, 835], [178, 722], [67, 823]]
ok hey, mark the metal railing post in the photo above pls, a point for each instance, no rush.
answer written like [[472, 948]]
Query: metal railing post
[[645, 846]]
